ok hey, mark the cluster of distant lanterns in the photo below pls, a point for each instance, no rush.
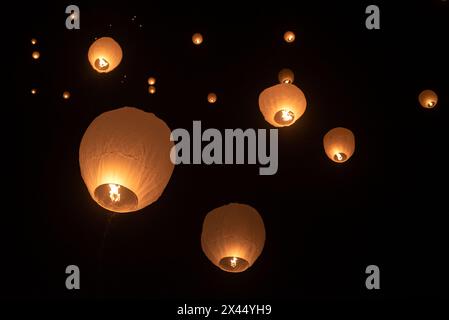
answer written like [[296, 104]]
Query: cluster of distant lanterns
[[125, 163]]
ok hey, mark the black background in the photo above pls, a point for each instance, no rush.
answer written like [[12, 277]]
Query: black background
[[325, 222]]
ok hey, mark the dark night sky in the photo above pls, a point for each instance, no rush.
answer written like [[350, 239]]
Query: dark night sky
[[325, 222]]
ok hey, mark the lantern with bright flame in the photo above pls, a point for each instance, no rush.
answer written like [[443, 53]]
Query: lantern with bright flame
[[105, 54], [151, 81], [35, 55], [282, 104], [125, 159], [197, 38], [152, 89], [233, 237], [33, 91], [211, 97], [289, 36], [339, 144], [33, 41], [66, 95], [428, 99], [286, 76]]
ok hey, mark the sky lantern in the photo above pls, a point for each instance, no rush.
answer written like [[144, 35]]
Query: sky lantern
[[212, 97], [286, 76], [66, 95], [428, 99], [124, 159], [289, 36], [36, 55], [282, 104], [151, 81], [152, 89], [33, 41], [33, 91], [339, 144], [197, 38], [105, 54], [233, 236]]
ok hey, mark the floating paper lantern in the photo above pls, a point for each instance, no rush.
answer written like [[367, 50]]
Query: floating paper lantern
[[339, 144], [152, 89], [289, 36], [35, 55], [66, 95], [197, 38], [233, 236], [105, 54], [33, 91], [428, 99], [282, 104], [125, 159], [151, 81], [33, 41], [211, 97], [286, 76]]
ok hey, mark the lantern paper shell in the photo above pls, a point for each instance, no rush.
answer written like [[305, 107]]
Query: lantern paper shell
[[282, 104], [428, 99], [289, 36], [152, 89], [105, 54], [197, 38], [125, 159], [36, 55], [151, 81], [286, 76], [339, 144], [233, 237], [212, 97]]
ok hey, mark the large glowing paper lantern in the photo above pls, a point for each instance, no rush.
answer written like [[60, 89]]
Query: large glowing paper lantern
[[282, 104], [105, 54], [197, 38], [289, 36], [233, 236], [286, 76], [125, 159], [339, 144], [428, 99], [36, 55], [212, 97]]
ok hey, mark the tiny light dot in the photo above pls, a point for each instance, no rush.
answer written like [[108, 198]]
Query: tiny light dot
[[36, 55], [33, 41], [66, 95], [152, 89]]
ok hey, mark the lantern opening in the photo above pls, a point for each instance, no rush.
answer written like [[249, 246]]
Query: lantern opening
[[233, 264], [430, 104], [284, 117], [101, 64], [115, 197], [340, 157]]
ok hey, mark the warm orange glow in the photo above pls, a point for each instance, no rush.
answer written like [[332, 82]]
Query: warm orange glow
[[282, 104], [124, 159], [152, 89], [151, 81], [36, 55], [428, 99], [339, 144], [33, 41], [211, 97], [105, 54], [66, 95], [197, 38], [233, 237], [286, 76], [33, 91], [289, 36]]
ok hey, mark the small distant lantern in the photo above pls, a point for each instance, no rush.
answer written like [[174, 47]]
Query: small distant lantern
[[286, 76], [152, 89], [339, 144], [151, 81], [66, 95], [35, 55], [33, 91], [428, 99], [124, 159], [211, 97], [233, 237], [197, 38], [105, 54], [33, 41], [282, 104], [289, 36]]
